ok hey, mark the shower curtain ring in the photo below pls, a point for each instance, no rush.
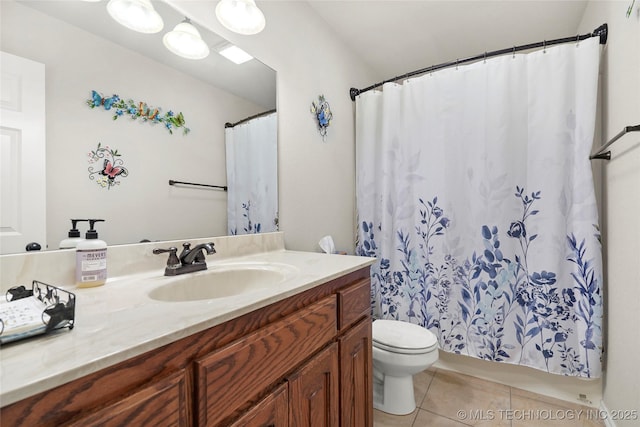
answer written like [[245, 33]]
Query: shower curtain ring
[[485, 56], [577, 40], [514, 52], [544, 46], [457, 63]]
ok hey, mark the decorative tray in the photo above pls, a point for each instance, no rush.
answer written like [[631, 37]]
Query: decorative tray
[[39, 310]]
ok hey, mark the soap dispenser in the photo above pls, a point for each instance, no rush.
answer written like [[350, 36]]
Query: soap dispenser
[[74, 236], [91, 259]]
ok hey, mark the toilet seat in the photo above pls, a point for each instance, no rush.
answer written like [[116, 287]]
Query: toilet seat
[[403, 337]]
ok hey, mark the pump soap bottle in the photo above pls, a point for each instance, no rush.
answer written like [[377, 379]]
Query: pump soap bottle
[[91, 259], [74, 236]]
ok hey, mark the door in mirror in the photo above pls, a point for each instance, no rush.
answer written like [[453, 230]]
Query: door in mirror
[[22, 154]]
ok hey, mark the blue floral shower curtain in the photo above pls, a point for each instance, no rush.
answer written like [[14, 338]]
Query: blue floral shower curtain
[[252, 176], [475, 193]]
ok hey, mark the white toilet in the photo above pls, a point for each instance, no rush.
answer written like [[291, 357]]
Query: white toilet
[[400, 350]]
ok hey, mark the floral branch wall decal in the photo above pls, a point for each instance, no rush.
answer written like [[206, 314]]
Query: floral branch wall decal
[[111, 169], [322, 112], [138, 110]]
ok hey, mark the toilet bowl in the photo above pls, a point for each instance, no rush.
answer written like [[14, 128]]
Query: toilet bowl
[[400, 350]]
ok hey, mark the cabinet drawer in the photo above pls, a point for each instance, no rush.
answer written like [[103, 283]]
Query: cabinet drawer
[[165, 402], [234, 376], [354, 302]]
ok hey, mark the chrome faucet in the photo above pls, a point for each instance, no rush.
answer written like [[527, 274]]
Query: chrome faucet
[[196, 255], [190, 260]]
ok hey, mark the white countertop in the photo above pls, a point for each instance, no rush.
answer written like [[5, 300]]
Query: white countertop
[[119, 320]]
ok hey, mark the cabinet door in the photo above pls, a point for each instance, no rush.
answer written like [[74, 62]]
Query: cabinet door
[[272, 411], [232, 377], [165, 403], [356, 376], [314, 391]]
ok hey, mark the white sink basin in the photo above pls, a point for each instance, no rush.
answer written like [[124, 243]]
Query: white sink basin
[[222, 281]]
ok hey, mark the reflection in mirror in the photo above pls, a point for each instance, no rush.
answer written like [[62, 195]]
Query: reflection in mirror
[[252, 174], [84, 50]]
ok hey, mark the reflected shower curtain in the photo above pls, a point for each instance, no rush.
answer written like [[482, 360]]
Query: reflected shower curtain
[[475, 193], [252, 176]]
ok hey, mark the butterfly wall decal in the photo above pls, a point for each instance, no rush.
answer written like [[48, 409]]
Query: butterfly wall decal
[[138, 110], [323, 115], [111, 171], [98, 100], [112, 166], [177, 121]]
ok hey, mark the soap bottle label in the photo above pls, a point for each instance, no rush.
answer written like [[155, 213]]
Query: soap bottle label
[[91, 265]]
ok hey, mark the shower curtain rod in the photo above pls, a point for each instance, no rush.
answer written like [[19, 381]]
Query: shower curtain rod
[[601, 32], [605, 154], [266, 113], [221, 187]]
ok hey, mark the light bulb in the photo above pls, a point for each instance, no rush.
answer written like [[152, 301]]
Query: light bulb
[[240, 16], [137, 15], [185, 41]]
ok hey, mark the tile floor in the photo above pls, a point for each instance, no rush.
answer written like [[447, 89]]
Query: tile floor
[[449, 399]]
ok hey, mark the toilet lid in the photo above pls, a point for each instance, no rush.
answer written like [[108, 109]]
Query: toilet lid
[[402, 337]]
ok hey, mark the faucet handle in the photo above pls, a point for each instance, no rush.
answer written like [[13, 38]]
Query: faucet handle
[[173, 262], [186, 248]]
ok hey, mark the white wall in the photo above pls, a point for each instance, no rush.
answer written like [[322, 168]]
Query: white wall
[[316, 178], [620, 107], [143, 205]]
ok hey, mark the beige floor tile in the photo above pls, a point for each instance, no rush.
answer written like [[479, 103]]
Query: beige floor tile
[[429, 419], [421, 383], [588, 415], [527, 412], [456, 400], [467, 399], [591, 419], [382, 419]]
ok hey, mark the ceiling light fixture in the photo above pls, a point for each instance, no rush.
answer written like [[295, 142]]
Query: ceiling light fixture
[[137, 15], [240, 16], [235, 54], [185, 41]]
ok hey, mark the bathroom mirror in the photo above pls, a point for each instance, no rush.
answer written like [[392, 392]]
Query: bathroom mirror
[[84, 50]]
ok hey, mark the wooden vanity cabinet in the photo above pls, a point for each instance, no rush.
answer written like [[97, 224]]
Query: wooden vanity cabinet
[[356, 376], [242, 371], [165, 402], [356, 358], [314, 391], [303, 361], [272, 411]]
